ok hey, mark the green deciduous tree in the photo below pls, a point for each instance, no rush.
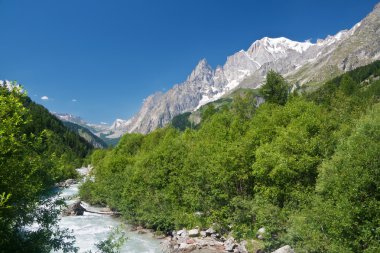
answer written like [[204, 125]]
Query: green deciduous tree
[[275, 89], [344, 216], [25, 173]]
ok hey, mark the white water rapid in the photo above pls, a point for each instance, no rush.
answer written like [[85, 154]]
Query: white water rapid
[[92, 228]]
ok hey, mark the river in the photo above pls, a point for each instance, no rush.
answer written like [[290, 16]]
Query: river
[[92, 228]]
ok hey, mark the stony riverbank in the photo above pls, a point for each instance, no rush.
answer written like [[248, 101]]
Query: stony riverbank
[[209, 241], [205, 241]]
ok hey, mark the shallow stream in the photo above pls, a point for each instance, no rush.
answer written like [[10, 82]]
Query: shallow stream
[[92, 228]]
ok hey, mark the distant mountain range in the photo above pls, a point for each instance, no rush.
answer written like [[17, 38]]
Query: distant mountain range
[[99, 135], [86, 134], [300, 62]]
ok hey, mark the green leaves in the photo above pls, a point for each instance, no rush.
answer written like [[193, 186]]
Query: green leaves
[[300, 166], [275, 89], [28, 166], [116, 239], [288, 160], [4, 199], [344, 215]]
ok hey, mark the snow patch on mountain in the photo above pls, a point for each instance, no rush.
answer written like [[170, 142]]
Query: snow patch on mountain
[[119, 124], [102, 130]]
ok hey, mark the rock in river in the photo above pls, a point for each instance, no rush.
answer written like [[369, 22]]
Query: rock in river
[[74, 209]]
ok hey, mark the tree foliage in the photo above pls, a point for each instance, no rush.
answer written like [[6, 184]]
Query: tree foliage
[[275, 89], [35, 152], [303, 167], [344, 215]]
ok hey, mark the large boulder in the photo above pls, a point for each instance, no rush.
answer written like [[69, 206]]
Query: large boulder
[[210, 231], [285, 249], [184, 247], [242, 247], [74, 209], [182, 233], [194, 232], [230, 245], [260, 233], [70, 181], [66, 183]]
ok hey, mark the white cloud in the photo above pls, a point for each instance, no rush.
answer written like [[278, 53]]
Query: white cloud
[[45, 98], [103, 123], [74, 100]]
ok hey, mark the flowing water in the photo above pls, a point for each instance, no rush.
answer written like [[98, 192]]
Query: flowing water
[[92, 228]]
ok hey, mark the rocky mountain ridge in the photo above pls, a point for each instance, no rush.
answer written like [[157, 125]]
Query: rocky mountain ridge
[[299, 62], [70, 118], [205, 84], [100, 130]]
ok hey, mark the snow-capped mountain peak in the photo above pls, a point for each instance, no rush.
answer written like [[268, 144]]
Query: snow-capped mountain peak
[[300, 61], [70, 118], [103, 130], [279, 45], [119, 124]]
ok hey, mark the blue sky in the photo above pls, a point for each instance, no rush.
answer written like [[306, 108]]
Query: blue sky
[[100, 59]]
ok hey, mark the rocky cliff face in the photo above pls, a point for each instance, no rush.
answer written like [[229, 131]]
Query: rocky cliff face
[[159, 108], [299, 62], [204, 84]]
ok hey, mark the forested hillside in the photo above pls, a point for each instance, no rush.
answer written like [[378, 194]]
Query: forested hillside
[[86, 134], [61, 142], [304, 166], [36, 151]]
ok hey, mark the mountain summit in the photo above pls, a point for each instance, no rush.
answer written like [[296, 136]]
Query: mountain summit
[[299, 62]]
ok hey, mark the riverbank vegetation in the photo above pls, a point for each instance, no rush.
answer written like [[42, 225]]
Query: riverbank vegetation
[[304, 166], [36, 151]]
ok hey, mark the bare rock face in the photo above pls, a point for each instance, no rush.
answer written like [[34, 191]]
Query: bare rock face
[[159, 108], [299, 62]]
